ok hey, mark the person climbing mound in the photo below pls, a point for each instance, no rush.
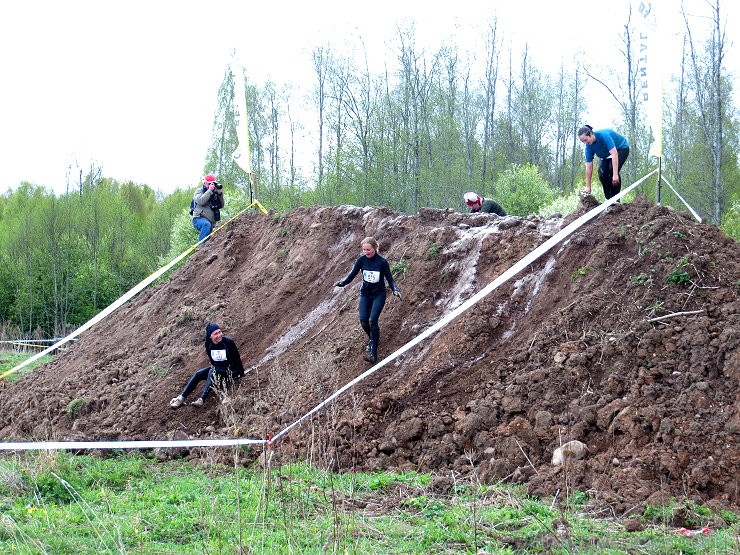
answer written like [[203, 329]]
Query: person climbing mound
[[612, 149], [375, 272], [486, 205], [226, 366]]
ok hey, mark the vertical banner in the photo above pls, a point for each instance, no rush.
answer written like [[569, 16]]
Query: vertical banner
[[241, 154], [650, 69]]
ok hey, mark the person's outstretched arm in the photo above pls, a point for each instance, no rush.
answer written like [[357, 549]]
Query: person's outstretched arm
[[351, 275], [589, 173], [235, 360]]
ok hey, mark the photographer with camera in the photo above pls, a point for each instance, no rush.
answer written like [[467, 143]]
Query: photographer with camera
[[207, 203]]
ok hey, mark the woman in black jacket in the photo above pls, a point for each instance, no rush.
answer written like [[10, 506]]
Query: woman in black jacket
[[226, 366], [375, 272]]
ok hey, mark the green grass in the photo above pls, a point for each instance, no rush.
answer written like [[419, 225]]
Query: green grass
[[400, 268], [433, 249], [581, 272], [10, 359], [129, 503]]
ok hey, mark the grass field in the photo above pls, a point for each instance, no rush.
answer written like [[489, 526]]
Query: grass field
[[60, 503], [10, 359], [132, 502]]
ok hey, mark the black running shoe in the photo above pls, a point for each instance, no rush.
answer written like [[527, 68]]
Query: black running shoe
[[370, 357], [369, 346]]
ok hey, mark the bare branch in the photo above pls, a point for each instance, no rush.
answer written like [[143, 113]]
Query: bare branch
[[685, 313], [611, 92]]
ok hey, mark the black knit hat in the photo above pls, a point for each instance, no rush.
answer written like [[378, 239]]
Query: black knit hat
[[210, 328]]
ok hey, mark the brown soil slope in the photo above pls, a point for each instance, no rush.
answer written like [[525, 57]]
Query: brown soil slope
[[571, 348]]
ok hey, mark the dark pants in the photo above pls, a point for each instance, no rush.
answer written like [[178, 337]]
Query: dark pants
[[370, 308], [210, 376], [605, 173]]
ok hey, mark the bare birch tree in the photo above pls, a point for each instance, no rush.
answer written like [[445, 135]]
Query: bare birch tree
[[321, 60], [710, 100], [489, 94]]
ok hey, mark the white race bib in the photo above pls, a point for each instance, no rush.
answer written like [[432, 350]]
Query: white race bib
[[370, 276], [218, 355]]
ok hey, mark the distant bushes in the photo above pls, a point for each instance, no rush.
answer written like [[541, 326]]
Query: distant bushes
[[521, 190], [731, 221]]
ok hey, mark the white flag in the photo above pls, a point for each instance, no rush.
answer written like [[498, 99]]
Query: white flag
[[241, 154], [650, 69]]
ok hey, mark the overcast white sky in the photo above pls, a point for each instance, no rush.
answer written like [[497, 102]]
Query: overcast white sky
[[132, 86]]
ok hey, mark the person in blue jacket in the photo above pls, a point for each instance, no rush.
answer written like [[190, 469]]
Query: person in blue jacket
[[612, 149], [226, 366], [375, 272]]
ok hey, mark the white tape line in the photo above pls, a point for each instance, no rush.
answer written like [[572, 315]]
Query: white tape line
[[508, 274], [693, 212], [82, 445], [120, 301], [103, 313], [23, 341]]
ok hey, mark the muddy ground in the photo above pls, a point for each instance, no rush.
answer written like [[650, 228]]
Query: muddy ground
[[625, 337]]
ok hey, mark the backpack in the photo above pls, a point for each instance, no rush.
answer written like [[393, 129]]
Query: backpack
[[192, 203]]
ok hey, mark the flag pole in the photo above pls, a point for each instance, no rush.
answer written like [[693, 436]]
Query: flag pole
[[650, 76], [242, 156]]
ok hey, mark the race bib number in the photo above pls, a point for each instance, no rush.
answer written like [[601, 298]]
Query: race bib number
[[218, 355], [370, 276]]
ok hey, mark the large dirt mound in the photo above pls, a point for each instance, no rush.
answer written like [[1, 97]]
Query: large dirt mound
[[573, 348]]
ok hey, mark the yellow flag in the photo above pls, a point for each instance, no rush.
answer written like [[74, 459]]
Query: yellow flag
[[650, 69], [241, 154]]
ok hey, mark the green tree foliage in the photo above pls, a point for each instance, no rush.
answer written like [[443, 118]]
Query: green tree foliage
[[65, 257], [563, 204], [731, 222], [429, 126], [701, 127], [436, 123], [522, 190]]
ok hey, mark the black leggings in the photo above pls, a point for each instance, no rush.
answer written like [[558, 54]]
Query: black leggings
[[605, 173], [211, 377], [369, 309]]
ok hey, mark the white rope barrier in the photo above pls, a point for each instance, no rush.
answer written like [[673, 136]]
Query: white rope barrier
[[24, 341], [102, 314], [508, 274], [162, 444], [119, 302], [503, 278], [693, 212]]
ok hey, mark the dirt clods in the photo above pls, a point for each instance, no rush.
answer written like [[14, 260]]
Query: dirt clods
[[623, 337]]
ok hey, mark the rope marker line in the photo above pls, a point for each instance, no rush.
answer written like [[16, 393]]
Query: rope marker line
[[258, 205], [36, 340], [24, 344], [128, 295], [508, 274], [153, 444], [697, 217]]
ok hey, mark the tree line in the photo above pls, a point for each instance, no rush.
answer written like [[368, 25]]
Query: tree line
[[434, 124], [431, 126], [65, 257]]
